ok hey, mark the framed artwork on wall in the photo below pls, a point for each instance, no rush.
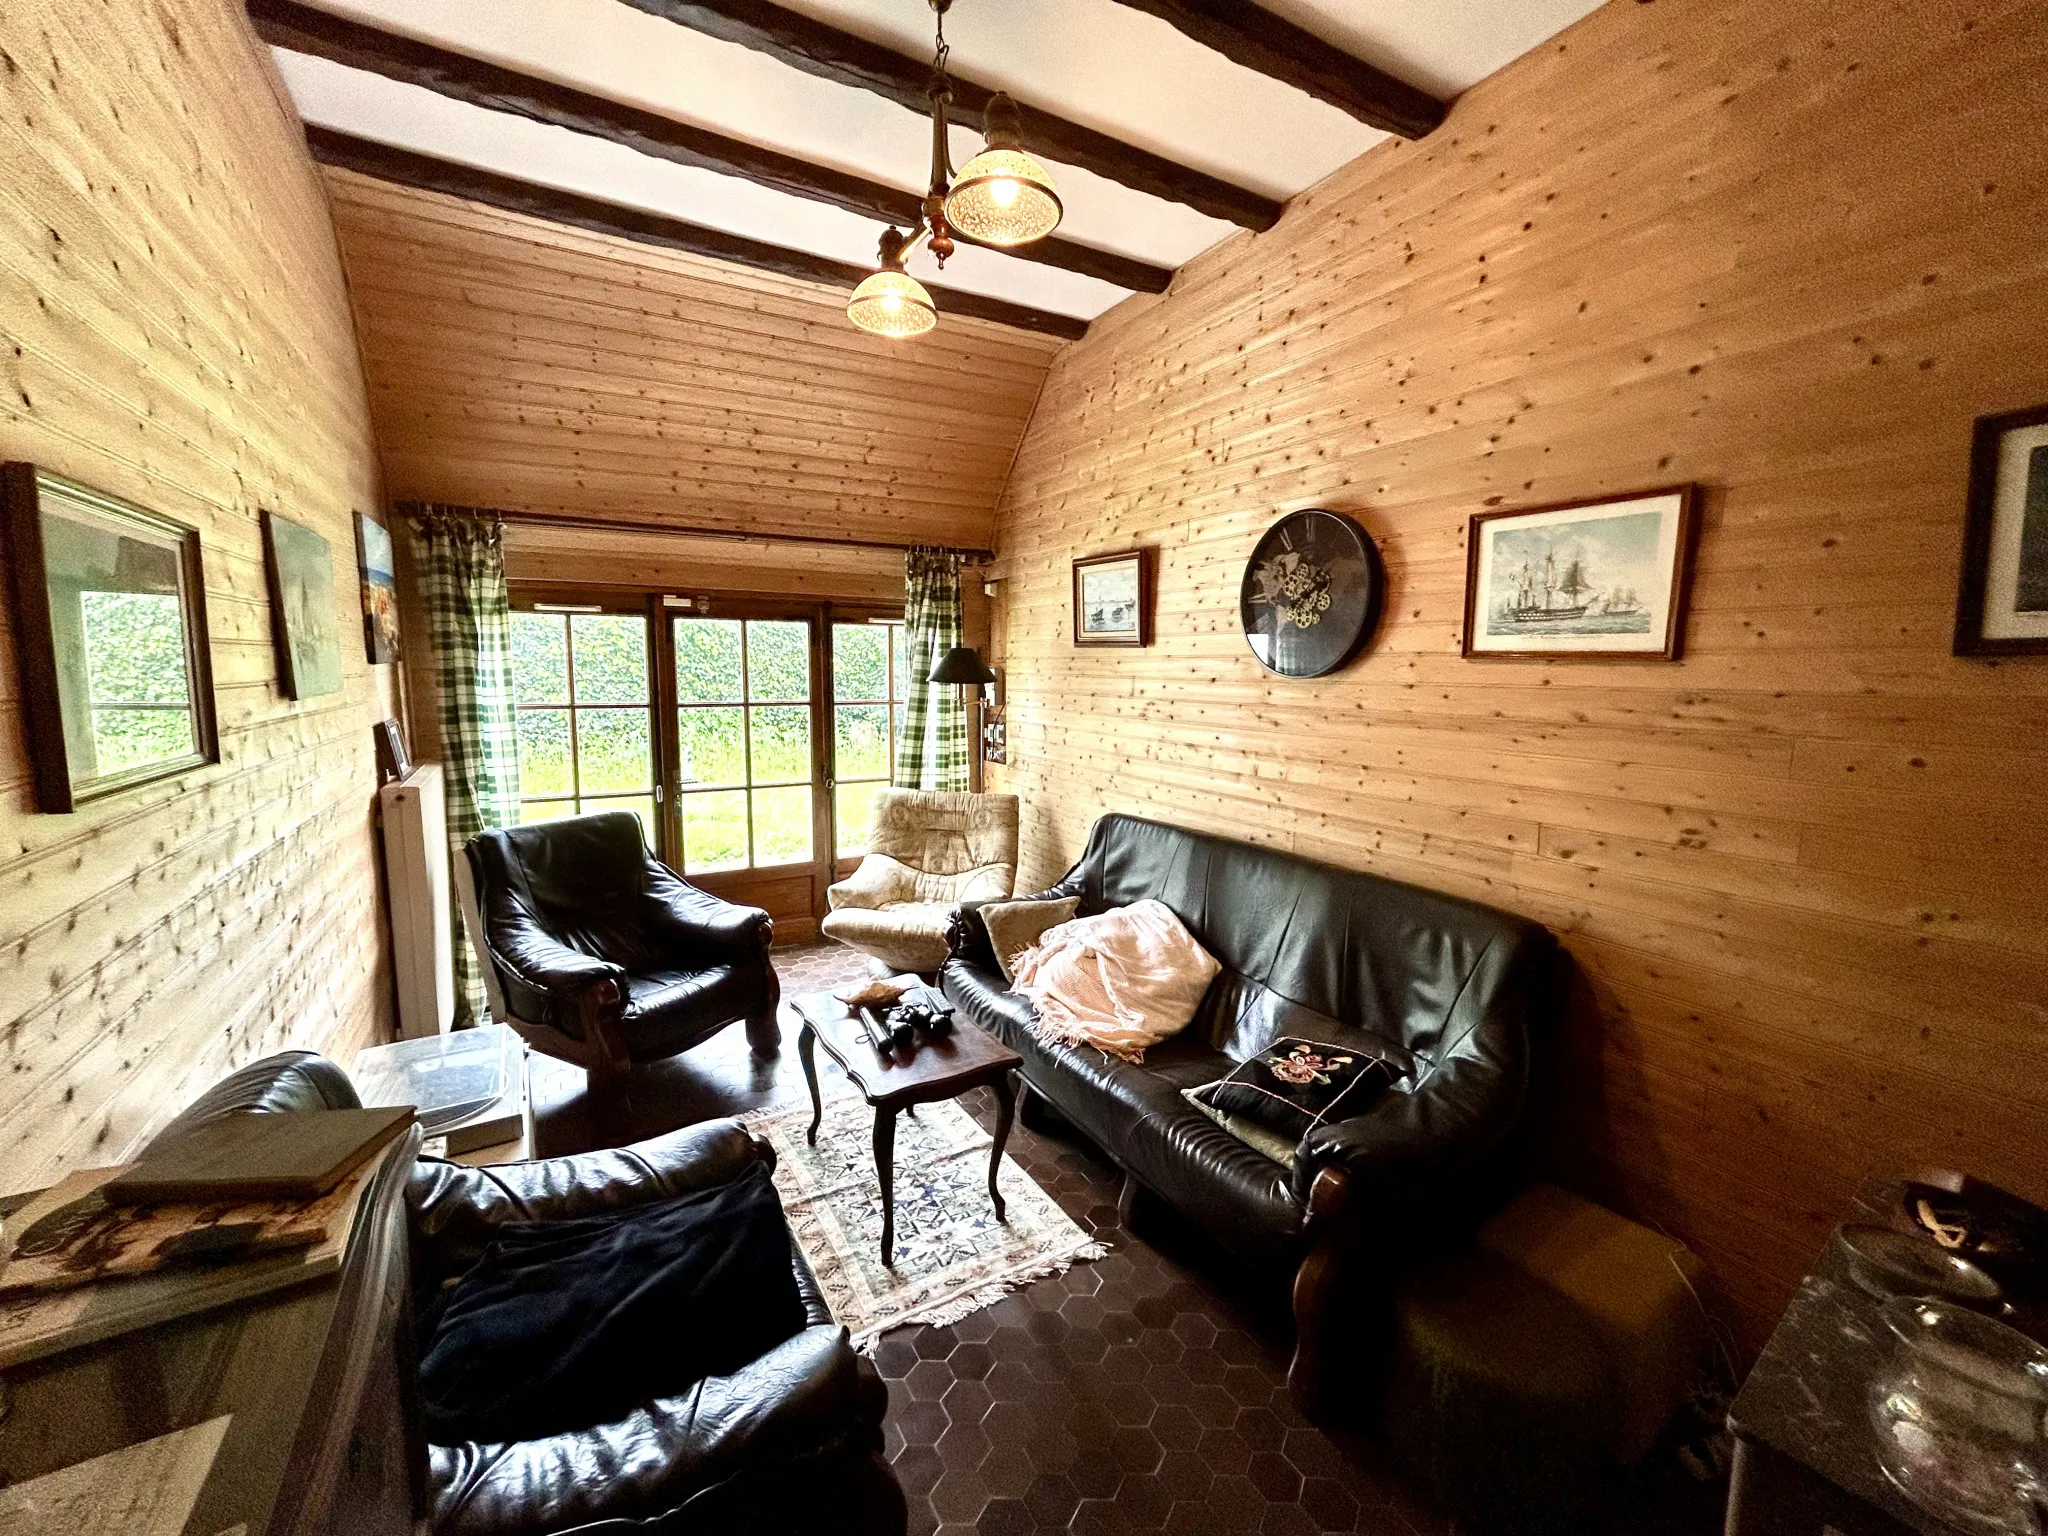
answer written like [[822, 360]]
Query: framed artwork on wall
[[2002, 608], [1113, 599], [301, 570], [378, 568], [1600, 580], [1312, 594], [110, 633]]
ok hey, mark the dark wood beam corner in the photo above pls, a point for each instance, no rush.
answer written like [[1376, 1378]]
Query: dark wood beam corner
[[818, 49], [406, 168], [1248, 35], [302, 29]]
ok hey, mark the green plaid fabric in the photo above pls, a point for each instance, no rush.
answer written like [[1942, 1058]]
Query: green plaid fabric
[[461, 561], [931, 627]]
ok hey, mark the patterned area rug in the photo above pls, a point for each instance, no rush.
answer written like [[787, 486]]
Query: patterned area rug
[[952, 1256]]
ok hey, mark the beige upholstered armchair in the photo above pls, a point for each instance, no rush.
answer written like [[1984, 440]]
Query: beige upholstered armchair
[[926, 852]]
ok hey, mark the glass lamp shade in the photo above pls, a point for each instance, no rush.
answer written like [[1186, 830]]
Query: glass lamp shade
[[1003, 197], [892, 303]]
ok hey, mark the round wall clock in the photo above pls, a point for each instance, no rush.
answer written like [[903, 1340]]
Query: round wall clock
[[1312, 594]]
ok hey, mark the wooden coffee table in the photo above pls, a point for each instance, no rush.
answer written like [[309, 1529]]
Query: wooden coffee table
[[937, 1069]]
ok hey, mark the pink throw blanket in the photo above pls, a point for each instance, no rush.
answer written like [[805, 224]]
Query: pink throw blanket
[[1120, 980]]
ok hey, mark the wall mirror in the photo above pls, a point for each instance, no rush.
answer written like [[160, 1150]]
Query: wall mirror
[[110, 626]]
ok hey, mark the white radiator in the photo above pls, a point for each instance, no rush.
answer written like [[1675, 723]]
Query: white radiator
[[416, 869]]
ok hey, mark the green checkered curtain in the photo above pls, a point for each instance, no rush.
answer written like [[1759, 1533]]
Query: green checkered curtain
[[932, 753], [460, 557]]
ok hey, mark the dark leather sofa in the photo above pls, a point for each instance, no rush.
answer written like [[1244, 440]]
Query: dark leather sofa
[[602, 955], [789, 1443], [1460, 996]]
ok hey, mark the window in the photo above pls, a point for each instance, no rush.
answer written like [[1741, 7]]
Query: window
[[743, 742], [585, 740], [867, 721]]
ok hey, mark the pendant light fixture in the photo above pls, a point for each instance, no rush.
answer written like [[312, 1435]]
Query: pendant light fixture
[[889, 301], [1003, 197]]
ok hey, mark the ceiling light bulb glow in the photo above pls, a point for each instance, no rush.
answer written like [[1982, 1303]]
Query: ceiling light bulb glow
[[1002, 192]]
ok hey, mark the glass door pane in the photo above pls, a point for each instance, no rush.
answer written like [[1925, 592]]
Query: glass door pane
[[867, 720], [743, 732], [584, 715]]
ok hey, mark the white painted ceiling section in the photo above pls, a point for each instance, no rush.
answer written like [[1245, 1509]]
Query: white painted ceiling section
[[1094, 61]]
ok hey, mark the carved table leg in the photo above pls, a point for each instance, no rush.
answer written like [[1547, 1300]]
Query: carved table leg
[[885, 1170], [807, 1049], [1006, 1106]]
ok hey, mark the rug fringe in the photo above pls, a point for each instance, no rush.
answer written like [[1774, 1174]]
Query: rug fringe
[[964, 1304]]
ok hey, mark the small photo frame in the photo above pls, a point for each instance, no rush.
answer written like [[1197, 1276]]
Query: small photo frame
[[378, 568], [1599, 580], [1113, 599], [2002, 606], [393, 761]]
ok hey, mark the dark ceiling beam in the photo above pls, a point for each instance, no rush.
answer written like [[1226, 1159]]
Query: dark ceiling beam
[[300, 28], [830, 54], [1257, 39], [430, 174]]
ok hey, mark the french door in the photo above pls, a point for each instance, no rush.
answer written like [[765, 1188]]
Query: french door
[[750, 739]]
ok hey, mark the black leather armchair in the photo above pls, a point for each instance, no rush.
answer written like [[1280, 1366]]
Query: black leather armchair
[[791, 1442], [1461, 997], [601, 955]]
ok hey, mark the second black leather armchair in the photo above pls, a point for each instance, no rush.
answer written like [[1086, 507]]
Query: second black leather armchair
[[600, 954]]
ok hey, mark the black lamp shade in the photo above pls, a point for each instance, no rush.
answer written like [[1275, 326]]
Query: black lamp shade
[[962, 665]]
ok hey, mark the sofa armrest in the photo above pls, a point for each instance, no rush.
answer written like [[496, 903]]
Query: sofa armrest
[[878, 881], [574, 986], [454, 1211], [967, 935], [806, 1395], [702, 924], [1414, 1144]]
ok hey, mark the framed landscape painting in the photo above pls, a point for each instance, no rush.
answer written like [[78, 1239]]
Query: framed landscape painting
[[1592, 580], [301, 570], [2002, 609], [1112, 599], [379, 572]]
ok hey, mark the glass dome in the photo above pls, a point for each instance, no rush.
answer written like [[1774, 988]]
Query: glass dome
[[1003, 197], [892, 303]]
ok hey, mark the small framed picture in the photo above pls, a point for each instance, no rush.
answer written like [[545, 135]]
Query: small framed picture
[[379, 573], [2002, 608], [1113, 599], [393, 761], [1589, 580]]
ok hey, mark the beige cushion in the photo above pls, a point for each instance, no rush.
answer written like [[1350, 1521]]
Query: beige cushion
[[905, 935], [1262, 1139], [1014, 926]]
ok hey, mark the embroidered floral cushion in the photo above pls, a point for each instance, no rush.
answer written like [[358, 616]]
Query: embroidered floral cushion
[[1294, 1085]]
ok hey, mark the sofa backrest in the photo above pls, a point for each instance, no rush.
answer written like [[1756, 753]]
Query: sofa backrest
[[950, 842], [1307, 946], [581, 878], [290, 1080]]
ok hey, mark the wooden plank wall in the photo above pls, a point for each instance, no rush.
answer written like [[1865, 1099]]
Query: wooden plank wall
[[1788, 252], [530, 367], [177, 333]]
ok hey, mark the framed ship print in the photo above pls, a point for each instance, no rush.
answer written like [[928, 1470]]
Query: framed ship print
[[2002, 608], [1312, 594], [1113, 599], [1601, 580]]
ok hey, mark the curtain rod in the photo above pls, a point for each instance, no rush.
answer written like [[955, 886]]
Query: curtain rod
[[639, 525]]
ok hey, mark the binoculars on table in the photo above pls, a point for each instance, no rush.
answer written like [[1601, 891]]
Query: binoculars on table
[[904, 1026]]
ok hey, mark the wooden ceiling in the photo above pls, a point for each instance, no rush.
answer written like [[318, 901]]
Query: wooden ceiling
[[790, 135], [519, 364]]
